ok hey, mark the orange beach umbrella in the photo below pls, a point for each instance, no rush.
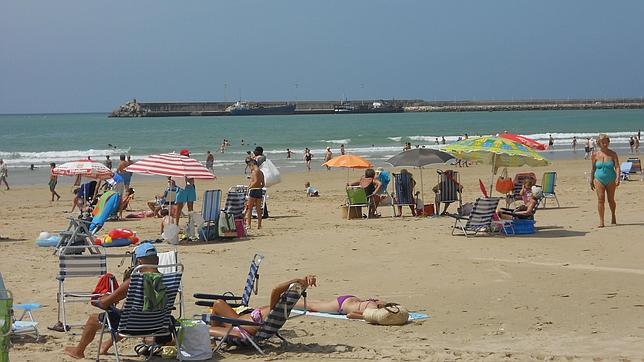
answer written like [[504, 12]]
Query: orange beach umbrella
[[348, 161]]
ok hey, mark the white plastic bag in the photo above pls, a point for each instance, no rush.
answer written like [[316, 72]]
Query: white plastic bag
[[194, 341], [271, 173], [171, 234]]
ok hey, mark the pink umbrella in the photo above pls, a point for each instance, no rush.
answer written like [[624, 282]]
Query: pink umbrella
[[84, 168], [524, 141], [170, 164]]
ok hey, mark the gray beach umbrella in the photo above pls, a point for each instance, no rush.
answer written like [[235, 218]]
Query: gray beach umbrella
[[419, 157]]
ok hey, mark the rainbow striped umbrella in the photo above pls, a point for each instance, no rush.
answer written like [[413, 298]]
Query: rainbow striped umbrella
[[497, 151], [171, 164]]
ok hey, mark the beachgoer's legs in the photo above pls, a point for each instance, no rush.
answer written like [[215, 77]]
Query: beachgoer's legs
[[327, 306], [177, 212], [258, 208], [4, 179], [601, 198], [89, 331], [610, 193], [190, 205], [249, 211]]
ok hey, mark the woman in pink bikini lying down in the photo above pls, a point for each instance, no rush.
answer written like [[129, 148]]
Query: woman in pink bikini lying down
[[348, 304], [257, 315]]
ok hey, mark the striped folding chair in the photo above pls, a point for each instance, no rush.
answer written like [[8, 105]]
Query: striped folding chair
[[636, 167], [548, 184], [269, 328], [251, 287], [449, 189], [480, 218], [235, 200], [71, 266], [210, 209], [404, 191], [134, 320]]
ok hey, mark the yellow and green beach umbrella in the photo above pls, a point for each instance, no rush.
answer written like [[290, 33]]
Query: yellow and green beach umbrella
[[497, 151]]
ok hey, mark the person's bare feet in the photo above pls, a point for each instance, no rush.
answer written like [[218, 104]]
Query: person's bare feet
[[74, 352], [105, 347], [601, 226]]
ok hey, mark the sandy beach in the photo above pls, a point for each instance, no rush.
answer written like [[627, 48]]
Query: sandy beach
[[569, 292]]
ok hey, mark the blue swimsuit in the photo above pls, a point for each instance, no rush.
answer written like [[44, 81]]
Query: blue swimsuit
[[605, 172]]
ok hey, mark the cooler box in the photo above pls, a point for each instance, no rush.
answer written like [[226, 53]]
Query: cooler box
[[522, 226]]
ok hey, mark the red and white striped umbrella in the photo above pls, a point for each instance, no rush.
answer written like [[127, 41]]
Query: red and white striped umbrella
[[85, 168], [170, 164]]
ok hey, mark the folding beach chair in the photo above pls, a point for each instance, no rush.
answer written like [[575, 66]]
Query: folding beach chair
[[135, 321], [636, 167], [357, 198], [480, 218], [25, 324], [404, 191], [235, 200], [625, 170], [548, 184], [448, 189], [210, 210], [251, 287], [268, 329], [77, 233], [172, 258], [72, 265]]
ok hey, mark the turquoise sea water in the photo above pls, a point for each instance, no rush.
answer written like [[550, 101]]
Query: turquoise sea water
[[40, 139]]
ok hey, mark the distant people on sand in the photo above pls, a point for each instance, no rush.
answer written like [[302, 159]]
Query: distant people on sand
[[631, 144], [249, 156], [108, 162], [587, 149], [342, 152], [551, 143], [258, 156], [605, 177], [328, 155], [574, 143], [637, 145], [210, 161], [4, 173], [289, 153], [255, 194], [53, 181], [310, 191], [307, 158]]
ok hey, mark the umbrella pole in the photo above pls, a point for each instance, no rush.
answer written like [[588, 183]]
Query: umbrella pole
[[422, 187], [493, 173]]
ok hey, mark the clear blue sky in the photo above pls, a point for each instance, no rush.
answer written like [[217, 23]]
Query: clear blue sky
[[75, 56]]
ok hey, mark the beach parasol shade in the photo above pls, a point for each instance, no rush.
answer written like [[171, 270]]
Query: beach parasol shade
[[170, 164], [524, 141], [419, 157], [348, 161], [84, 168], [497, 151]]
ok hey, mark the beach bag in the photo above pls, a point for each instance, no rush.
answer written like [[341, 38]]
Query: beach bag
[[194, 341], [271, 173], [391, 314], [504, 184], [227, 227], [171, 234]]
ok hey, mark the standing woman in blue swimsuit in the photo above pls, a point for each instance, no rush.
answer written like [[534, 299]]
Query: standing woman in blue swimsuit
[[605, 177]]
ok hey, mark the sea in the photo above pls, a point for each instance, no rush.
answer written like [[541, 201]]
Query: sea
[[38, 139]]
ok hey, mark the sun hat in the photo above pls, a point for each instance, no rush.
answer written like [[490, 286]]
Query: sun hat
[[391, 314], [185, 152], [145, 249]]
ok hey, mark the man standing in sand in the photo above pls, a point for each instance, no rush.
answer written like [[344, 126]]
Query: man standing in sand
[[3, 173], [53, 181], [210, 161], [255, 194], [328, 155]]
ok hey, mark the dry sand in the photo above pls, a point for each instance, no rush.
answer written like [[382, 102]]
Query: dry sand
[[570, 291]]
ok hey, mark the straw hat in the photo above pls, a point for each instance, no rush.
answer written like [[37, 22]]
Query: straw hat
[[390, 315]]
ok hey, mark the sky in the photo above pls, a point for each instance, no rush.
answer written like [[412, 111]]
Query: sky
[[87, 55]]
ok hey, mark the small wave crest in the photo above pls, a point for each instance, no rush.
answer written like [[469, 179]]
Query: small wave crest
[[395, 139], [338, 142], [44, 158]]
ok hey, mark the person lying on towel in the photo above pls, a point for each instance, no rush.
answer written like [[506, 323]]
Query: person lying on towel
[[258, 315], [349, 305], [145, 254]]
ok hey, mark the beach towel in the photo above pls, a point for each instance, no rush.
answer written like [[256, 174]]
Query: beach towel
[[413, 316], [103, 286], [154, 295]]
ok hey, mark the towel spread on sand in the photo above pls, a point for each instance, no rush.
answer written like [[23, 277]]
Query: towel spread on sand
[[413, 316], [154, 296]]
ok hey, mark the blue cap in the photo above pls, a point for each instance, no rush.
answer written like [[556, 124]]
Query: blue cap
[[145, 249]]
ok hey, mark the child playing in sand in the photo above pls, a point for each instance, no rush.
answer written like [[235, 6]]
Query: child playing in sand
[[310, 191], [166, 219]]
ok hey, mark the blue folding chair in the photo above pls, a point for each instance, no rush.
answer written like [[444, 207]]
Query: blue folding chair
[[210, 210]]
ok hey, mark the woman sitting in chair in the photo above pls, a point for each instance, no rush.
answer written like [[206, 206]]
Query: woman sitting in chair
[[371, 187], [258, 315], [524, 211]]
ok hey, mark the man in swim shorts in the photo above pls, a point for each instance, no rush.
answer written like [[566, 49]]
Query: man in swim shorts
[[255, 194]]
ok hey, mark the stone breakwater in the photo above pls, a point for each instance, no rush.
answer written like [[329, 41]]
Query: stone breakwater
[[181, 109]]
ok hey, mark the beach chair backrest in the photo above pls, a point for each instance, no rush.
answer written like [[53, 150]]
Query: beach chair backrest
[[548, 182], [252, 281], [403, 187], [80, 266], [235, 202], [135, 321], [280, 312], [482, 213], [356, 196], [636, 166], [448, 186], [211, 206], [170, 196]]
